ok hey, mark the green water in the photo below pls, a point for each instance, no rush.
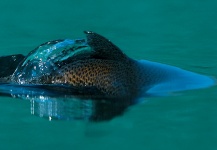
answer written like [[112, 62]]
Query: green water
[[182, 33]]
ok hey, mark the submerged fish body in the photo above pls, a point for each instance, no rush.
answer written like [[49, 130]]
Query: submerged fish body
[[95, 66]]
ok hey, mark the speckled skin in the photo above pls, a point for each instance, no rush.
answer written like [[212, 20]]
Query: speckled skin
[[111, 77]]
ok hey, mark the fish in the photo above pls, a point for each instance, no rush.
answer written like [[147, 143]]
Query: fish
[[91, 68]]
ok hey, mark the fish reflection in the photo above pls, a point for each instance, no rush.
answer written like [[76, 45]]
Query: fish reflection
[[77, 109], [59, 106]]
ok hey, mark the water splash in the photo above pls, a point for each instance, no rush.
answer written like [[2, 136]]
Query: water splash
[[47, 58]]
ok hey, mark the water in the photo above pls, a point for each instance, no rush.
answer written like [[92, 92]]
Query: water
[[180, 33]]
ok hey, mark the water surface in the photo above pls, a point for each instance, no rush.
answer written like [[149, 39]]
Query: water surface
[[180, 33]]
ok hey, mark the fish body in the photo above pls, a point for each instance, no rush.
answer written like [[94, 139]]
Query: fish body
[[95, 66]]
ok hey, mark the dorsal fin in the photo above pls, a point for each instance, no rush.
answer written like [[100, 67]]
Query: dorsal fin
[[103, 47]]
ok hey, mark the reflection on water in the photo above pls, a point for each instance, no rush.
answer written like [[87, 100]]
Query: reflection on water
[[59, 106], [77, 109]]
